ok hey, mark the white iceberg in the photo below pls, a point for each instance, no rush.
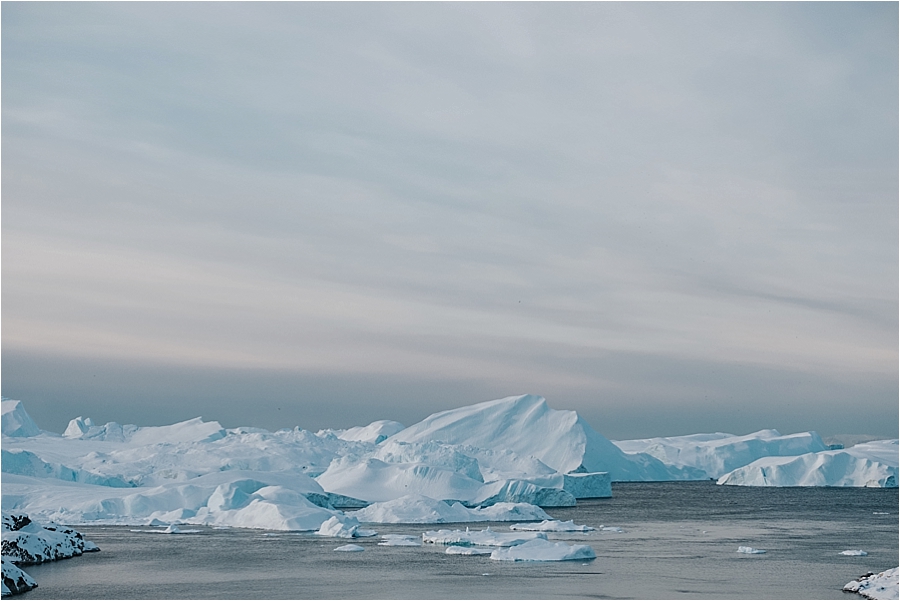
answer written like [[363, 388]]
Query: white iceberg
[[374, 433], [719, 453], [15, 421], [750, 551], [854, 552], [884, 585], [418, 509], [527, 426], [543, 550], [343, 527], [872, 464], [552, 526]]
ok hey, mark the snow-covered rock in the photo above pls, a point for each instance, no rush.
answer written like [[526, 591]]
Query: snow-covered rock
[[527, 426], [15, 421], [872, 464], [543, 550], [15, 580], [552, 526], [884, 585], [717, 454]]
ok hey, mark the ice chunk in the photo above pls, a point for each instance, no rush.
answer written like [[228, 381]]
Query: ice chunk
[[854, 552], [544, 550], [456, 550], [15, 421], [552, 526], [399, 540], [350, 548], [883, 585], [343, 527], [482, 538], [750, 550]]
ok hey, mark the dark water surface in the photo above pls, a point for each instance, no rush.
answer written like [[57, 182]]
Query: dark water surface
[[680, 542]]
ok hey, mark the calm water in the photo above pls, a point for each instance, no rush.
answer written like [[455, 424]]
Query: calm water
[[680, 541]]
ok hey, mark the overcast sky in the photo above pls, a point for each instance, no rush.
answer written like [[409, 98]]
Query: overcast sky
[[672, 218]]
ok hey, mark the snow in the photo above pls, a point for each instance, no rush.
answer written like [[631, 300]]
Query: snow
[[750, 551], [15, 580], [856, 553], [481, 538], [883, 585], [15, 421], [719, 453], [349, 549], [552, 526], [872, 464], [543, 550]]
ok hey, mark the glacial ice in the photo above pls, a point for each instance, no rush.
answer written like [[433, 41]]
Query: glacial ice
[[457, 550], [543, 550], [872, 464], [418, 509], [854, 552], [350, 548], [399, 540], [750, 551], [14, 420]]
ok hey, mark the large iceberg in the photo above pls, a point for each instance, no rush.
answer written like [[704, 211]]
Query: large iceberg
[[15, 420], [528, 427], [872, 464], [719, 453]]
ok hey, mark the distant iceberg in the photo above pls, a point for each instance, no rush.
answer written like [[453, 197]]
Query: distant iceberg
[[871, 464]]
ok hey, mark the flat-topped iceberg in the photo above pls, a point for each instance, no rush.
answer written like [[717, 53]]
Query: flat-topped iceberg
[[717, 454], [872, 464]]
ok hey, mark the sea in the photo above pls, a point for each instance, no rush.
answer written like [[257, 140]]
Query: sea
[[678, 540]]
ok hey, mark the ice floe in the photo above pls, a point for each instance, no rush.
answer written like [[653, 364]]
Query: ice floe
[[750, 551], [854, 552], [399, 540], [883, 585], [543, 550], [553, 526], [457, 550], [349, 548], [480, 538]]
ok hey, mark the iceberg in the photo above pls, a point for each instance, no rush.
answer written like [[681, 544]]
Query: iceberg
[[349, 549], [399, 540], [872, 464], [884, 585], [376, 432], [544, 550], [527, 426], [343, 527], [456, 550], [750, 551], [717, 454], [15, 421], [854, 552]]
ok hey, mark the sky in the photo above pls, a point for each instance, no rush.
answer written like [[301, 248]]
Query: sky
[[670, 217]]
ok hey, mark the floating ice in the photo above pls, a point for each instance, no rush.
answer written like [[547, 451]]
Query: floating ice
[[854, 552], [482, 538], [399, 540], [15, 421], [611, 529], [350, 548], [750, 550], [884, 585], [343, 527], [457, 550], [543, 550], [418, 509], [553, 526]]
